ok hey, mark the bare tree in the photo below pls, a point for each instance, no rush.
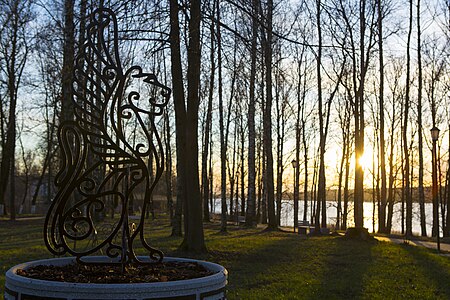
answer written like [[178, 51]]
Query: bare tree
[[186, 115], [15, 15], [406, 173], [208, 123], [421, 191], [382, 160], [269, 178], [250, 219]]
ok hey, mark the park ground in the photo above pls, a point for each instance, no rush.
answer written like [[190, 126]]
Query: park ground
[[281, 265]]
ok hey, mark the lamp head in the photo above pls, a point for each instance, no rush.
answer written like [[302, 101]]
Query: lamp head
[[434, 133], [294, 163]]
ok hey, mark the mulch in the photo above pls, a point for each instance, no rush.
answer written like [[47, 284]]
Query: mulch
[[79, 273]]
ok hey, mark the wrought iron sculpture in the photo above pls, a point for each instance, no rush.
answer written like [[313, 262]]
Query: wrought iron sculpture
[[99, 162]]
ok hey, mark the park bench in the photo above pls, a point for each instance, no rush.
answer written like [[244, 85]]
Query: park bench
[[304, 227]]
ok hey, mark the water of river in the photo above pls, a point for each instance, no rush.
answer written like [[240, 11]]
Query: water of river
[[287, 215]]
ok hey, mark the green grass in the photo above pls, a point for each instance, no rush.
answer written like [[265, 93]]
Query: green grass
[[279, 265]]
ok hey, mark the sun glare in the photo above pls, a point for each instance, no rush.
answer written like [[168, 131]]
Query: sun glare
[[365, 161]]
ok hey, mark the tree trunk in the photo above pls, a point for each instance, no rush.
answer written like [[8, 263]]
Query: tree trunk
[[269, 182], [321, 186], [208, 124], [382, 159], [180, 114], [346, 189], [193, 238], [406, 173], [359, 124], [168, 167], [243, 209], [223, 154], [423, 226], [447, 197], [279, 145], [67, 109], [250, 218], [15, 53]]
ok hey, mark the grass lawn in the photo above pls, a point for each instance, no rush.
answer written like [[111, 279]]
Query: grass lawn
[[279, 265]]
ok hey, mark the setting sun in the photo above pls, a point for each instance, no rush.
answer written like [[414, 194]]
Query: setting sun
[[365, 161]]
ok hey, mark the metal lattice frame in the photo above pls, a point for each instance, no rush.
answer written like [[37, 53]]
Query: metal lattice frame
[[99, 163]]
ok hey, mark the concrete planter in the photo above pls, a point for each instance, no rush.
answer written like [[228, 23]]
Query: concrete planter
[[209, 287]]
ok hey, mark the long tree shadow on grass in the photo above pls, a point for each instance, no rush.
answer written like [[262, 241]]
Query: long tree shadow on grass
[[288, 266], [436, 268], [345, 268]]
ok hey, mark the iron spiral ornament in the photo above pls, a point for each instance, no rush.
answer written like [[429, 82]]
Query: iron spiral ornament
[[107, 151]]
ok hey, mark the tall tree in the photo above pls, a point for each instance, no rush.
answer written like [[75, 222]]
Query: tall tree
[[180, 113], [423, 226], [406, 173], [267, 128], [359, 122], [186, 114], [321, 186], [382, 159], [208, 123], [358, 48], [250, 218], [15, 15], [223, 153]]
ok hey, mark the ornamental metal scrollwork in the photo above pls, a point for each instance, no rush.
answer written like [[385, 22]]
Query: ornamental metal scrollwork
[[106, 150]]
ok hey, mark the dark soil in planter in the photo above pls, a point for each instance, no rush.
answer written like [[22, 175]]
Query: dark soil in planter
[[159, 272]]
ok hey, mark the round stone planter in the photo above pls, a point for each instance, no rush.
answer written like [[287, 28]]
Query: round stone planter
[[209, 287]]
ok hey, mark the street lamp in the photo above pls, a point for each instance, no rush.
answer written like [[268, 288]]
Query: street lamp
[[237, 197], [435, 137], [295, 165]]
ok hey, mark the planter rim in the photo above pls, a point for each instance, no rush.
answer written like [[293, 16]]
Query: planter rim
[[13, 278]]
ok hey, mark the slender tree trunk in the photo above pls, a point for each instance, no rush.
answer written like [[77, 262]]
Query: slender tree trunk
[[259, 175], [315, 207], [264, 189], [305, 162], [232, 174], [180, 114], [223, 158], [168, 157], [382, 159], [212, 200], [208, 124], [279, 145], [269, 180], [340, 178], [346, 189], [12, 187], [321, 188], [297, 144], [447, 197], [250, 218], [359, 125], [423, 226], [408, 198], [242, 173]]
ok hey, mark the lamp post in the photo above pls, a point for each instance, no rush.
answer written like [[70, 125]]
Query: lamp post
[[237, 197], [294, 165], [435, 137]]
